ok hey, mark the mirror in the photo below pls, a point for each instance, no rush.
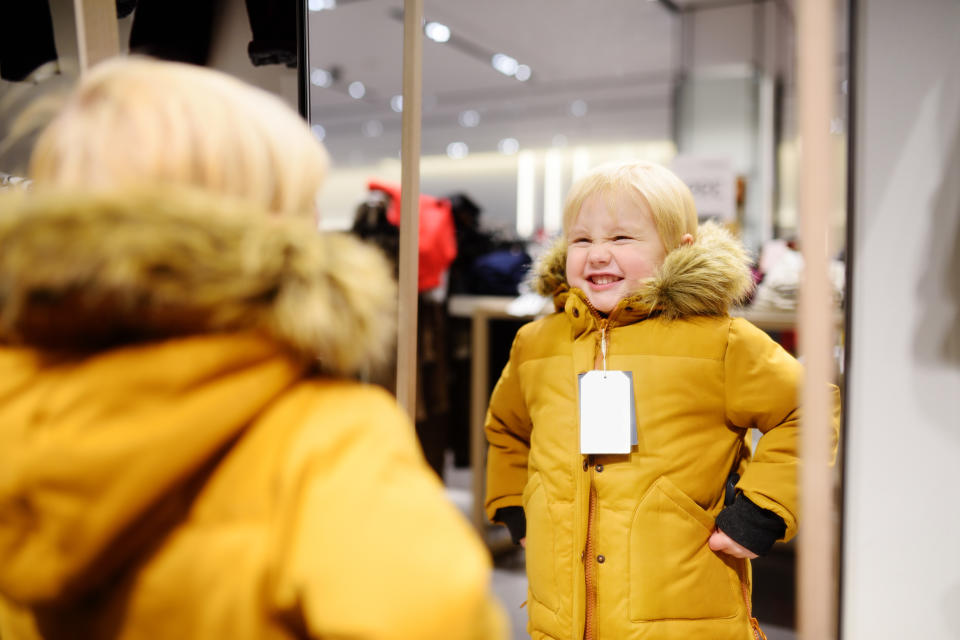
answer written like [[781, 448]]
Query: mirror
[[519, 100]]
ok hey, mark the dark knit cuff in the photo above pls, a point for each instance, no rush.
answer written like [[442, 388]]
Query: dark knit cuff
[[515, 520], [751, 526]]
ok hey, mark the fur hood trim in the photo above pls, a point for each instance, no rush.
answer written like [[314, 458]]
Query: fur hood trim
[[83, 271], [706, 277]]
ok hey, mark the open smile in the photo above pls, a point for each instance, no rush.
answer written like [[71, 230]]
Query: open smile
[[603, 281]]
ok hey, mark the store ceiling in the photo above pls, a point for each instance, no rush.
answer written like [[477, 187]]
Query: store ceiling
[[600, 72], [613, 65]]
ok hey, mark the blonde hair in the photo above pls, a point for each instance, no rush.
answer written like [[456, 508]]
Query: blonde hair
[[138, 120], [669, 199]]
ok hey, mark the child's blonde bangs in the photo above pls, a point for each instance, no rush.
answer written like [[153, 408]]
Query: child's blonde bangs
[[670, 201], [138, 120]]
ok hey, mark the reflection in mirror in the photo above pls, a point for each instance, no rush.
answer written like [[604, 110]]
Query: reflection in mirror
[[519, 101]]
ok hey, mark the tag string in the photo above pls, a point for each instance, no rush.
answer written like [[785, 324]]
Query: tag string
[[603, 349]]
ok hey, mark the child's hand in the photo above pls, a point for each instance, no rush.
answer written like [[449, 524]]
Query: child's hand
[[523, 542], [719, 541]]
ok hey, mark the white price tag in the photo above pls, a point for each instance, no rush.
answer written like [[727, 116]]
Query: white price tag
[[607, 417]]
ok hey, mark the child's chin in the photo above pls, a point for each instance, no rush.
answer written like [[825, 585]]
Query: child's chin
[[604, 303]]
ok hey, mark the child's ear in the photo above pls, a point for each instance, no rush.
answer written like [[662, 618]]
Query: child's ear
[[686, 239]]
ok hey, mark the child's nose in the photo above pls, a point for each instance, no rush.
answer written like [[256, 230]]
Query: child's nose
[[599, 254]]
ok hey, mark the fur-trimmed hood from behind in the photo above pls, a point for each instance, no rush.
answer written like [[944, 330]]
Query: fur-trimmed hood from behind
[[705, 277], [82, 271]]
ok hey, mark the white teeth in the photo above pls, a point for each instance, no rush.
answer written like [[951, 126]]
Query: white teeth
[[603, 279]]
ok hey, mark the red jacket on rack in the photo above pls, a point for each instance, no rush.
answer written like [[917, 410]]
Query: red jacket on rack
[[437, 237]]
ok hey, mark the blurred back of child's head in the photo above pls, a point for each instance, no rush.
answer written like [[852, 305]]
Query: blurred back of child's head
[[650, 185], [136, 120]]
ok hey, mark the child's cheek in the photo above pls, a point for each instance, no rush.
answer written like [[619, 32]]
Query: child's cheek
[[569, 269]]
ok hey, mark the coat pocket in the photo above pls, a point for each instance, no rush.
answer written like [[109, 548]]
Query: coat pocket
[[540, 553], [673, 573]]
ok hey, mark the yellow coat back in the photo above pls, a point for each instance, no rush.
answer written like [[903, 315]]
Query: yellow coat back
[[183, 451]]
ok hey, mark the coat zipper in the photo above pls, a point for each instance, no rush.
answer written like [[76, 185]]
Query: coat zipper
[[758, 633], [590, 569], [589, 553]]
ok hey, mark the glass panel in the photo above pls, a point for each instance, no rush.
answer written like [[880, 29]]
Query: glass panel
[[355, 81], [520, 100]]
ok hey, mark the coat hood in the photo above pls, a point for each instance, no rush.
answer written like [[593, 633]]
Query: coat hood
[[706, 277], [84, 271], [140, 335]]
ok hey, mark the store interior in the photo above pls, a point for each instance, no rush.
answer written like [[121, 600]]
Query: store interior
[[658, 79], [518, 101]]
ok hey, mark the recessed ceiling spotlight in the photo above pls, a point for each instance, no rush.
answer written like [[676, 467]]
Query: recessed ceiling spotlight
[[508, 146], [356, 90], [578, 108], [504, 64], [559, 140], [320, 5], [469, 118], [522, 73], [457, 150], [318, 132], [396, 103], [372, 128], [437, 32], [321, 78]]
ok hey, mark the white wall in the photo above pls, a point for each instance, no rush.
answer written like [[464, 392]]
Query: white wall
[[902, 539]]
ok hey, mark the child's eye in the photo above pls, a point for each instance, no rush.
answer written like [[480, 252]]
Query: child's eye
[[622, 238], [580, 240]]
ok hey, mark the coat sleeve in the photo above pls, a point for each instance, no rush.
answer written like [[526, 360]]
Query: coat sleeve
[[507, 429], [762, 392], [373, 548]]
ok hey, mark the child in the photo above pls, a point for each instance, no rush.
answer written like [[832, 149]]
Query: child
[[621, 509], [184, 451]]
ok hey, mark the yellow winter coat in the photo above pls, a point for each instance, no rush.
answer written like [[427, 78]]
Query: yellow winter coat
[[701, 381], [182, 451]]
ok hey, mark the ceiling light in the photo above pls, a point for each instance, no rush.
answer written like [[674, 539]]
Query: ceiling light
[[469, 118], [457, 150], [522, 73], [321, 78], [320, 5], [372, 128], [396, 103], [356, 89], [437, 32], [578, 108], [504, 64], [318, 132], [508, 146], [559, 140]]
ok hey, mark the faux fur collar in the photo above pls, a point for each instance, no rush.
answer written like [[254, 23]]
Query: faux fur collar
[[86, 271], [703, 278]]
